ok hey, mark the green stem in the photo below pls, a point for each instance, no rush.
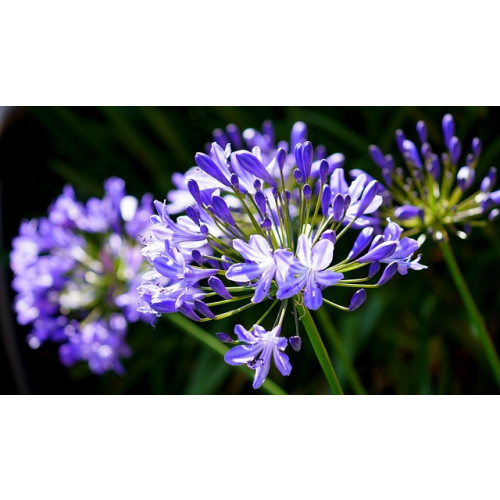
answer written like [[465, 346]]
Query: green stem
[[205, 338], [472, 310], [329, 329], [319, 348]]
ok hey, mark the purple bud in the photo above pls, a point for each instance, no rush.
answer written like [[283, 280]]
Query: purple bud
[[426, 150], [297, 175], [219, 137], [234, 135], [319, 152], [307, 158], [324, 168], [411, 153], [357, 300], [388, 273], [196, 256], [400, 138], [192, 214], [387, 176], [307, 191], [347, 201], [218, 287], [422, 131], [336, 160], [329, 235], [455, 149], [298, 158], [298, 134], [362, 241], [377, 156], [379, 252], [235, 182], [253, 165], [194, 190], [204, 229], [326, 200], [373, 269], [435, 167], [295, 343], [477, 147], [257, 185], [224, 337], [268, 129], [260, 200], [489, 181], [495, 197], [281, 158], [222, 210], [209, 167], [266, 223], [405, 212], [448, 129], [339, 207], [465, 178], [494, 214], [367, 197], [202, 308]]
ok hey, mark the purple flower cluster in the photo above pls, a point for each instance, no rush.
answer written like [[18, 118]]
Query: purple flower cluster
[[261, 222], [432, 196], [76, 272]]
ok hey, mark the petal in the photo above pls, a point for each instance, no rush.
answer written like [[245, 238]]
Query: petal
[[327, 278], [242, 354], [322, 254], [312, 295], [282, 362], [304, 250], [242, 273], [244, 335]]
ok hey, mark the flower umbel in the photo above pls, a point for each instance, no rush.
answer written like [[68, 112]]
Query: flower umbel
[[76, 272], [433, 194], [262, 225]]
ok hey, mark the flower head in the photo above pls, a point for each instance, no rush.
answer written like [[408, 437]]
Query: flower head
[[263, 224], [432, 195], [76, 272]]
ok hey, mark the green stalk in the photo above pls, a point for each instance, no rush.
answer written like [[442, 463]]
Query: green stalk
[[472, 310], [205, 338], [329, 329], [319, 348]]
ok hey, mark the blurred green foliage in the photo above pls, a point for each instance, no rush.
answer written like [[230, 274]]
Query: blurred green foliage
[[411, 337]]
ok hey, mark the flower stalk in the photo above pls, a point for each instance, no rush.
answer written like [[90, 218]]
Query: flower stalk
[[319, 348], [472, 310]]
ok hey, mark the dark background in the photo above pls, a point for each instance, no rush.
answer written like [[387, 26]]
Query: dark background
[[410, 337]]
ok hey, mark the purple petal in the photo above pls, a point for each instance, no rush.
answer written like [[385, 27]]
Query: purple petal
[[252, 164], [242, 273], [380, 252], [408, 212], [282, 362], [388, 273], [219, 288], [242, 354], [321, 255], [209, 167], [362, 241]]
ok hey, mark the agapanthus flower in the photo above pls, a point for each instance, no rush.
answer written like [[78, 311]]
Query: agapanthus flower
[[264, 226], [434, 194], [76, 274]]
